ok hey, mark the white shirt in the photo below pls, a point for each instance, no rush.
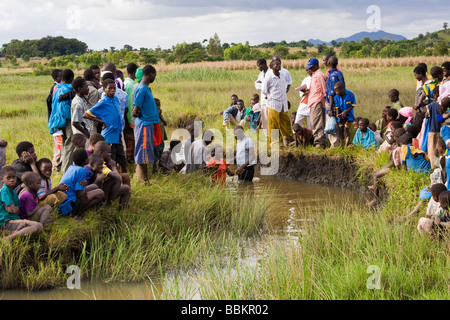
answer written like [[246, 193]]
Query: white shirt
[[275, 89], [303, 107], [243, 147], [284, 74], [258, 86], [198, 152]]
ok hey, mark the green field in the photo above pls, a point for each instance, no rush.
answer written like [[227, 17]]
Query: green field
[[186, 217]]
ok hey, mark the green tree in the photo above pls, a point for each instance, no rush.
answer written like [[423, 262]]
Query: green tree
[[196, 55], [445, 25], [131, 56], [148, 57], [441, 49], [214, 47], [281, 50], [237, 52]]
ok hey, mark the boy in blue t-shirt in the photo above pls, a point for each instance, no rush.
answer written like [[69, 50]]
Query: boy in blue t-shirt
[[414, 159], [364, 136], [10, 208], [147, 116], [334, 76], [344, 102], [79, 198]]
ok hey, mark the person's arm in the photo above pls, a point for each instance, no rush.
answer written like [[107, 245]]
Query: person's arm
[[62, 187], [88, 116], [420, 102], [27, 158], [163, 120], [80, 128]]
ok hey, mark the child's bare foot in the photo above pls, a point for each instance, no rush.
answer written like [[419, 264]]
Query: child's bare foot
[[371, 187], [372, 203]]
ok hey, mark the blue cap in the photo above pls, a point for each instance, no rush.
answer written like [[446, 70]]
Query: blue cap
[[311, 62]]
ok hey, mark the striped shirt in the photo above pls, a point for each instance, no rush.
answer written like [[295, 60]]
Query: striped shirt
[[275, 89]]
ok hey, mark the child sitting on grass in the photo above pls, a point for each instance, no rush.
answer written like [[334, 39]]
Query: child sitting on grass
[[412, 158], [382, 123], [29, 208], [46, 194], [10, 208], [393, 96], [217, 167], [93, 139], [302, 136], [26, 162], [426, 223], [79, 198], [94, 171], [391, 117], [364, 136], [166, 164], [377, 133], [114, 185], [255, 120]]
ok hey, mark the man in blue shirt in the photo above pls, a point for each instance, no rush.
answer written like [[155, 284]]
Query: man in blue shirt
[[147, 116], [334, 76], [344, 102], [59, 121]]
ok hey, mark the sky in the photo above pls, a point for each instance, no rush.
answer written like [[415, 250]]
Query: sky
[[150, 23]]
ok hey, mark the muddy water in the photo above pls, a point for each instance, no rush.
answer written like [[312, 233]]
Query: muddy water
[[292, 196]]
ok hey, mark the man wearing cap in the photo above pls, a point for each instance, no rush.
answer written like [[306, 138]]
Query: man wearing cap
[[316, 102]]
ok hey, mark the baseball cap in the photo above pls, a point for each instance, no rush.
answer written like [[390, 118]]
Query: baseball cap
[[312, 62]]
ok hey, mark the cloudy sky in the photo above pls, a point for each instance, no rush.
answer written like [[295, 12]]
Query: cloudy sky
[[151, 23]]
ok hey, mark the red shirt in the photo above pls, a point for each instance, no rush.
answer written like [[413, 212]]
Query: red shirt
[[221, 173], [317, 89]]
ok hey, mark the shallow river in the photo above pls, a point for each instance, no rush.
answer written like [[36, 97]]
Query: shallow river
[[292, 197]]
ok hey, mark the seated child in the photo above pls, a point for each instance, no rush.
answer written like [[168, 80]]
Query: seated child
[[217, 167], [364, 136], [26, 162], [29, 208], [377, 133], [391, 117], [79, 197], [382, 123], [406, 116], [94, 171], [112, 186], [255, 120], [10, 208], [302, 136], [414, 131], [93, 139], [79, 141], [46, 194], [412, 158], [393, 96], [426, 223], [166, 163]]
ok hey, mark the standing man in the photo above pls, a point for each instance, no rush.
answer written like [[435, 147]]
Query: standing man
[[316, 102], [146, 112], [262, 66], [286, 75], [245, 155], [274, 88]]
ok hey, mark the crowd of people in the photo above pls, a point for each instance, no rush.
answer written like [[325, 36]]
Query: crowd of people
[[102, 123]]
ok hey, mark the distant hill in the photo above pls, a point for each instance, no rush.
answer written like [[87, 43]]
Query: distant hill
[[378, 35]]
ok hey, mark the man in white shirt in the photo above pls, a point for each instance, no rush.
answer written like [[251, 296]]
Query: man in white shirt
[[262, 66], [286, 75], [198, 150], [274, 87], [245, 155]]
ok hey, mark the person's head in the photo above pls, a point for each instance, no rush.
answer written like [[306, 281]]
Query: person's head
[[45, 166], [103, 149], [234, 99], [25, 147], [393, 95], [293, 116], [445, 104], [424, 66], [356, 123], [174, 143], [437, 73], [32, 181], [333, 62], [373, 127], [312, 65], [107, 75], [131, 69], [404, 139], [255, 98], [109, 87], [276, 58], [436, 190], [406, 114], [440, 146], [261, 64], [80, 157], [420, 116], [444, 199], [275, 65], [436, 91], [446, 69], [79, 140], [148, 74], [398, 133], [420, 72], [94, 138], [391, 114], [297, 129], [96, 69], [339, 88], [80, 86], [96, 163], [395, 125], [363, 124], [385, 110], [413, 131], [239, 132], [325, 59], [9, 177], [88, 75], [240, 104], [208, 137], [109, 66], [67, 76], [57, 75], [119, 73]]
